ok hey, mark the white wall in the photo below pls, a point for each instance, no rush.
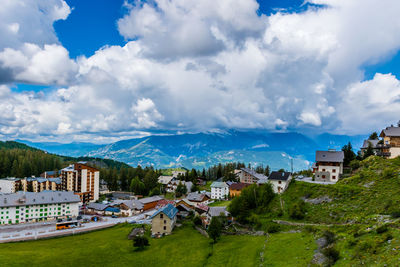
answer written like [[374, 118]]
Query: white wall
[[96, 185], [219, 193], [7, 186], [394, 152], [330, 169]]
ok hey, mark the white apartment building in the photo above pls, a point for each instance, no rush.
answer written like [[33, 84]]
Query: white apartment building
[[24, 207], [219, 190], [9, 185]]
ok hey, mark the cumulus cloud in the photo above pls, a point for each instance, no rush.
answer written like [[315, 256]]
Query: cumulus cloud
[[201, 65], [29, 48]]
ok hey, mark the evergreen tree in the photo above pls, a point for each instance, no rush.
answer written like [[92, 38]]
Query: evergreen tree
[[349, 154], [369, 151], [373, 136], [214, 229]]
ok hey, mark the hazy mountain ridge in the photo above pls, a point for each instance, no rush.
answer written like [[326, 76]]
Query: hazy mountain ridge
[[205, 149]]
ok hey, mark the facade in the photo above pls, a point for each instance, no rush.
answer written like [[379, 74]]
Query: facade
[[219, 190], [164, 220], [236, 188], [24, 207], [175, 174], [249, 176], [280, 181], [39, 184], [391, 142], [10, 185], [215, 212], [328, 165], [83, 180], [173, 184], [150, 202]]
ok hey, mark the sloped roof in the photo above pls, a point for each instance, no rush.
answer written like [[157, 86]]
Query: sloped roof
[[329, 156], [168, 210], [195, 197], [283, 176], [219, 184], [31, 198], [216, 211], [238, 186], [165, 179], [147, 200], [255, 174], [390, 131], [97, 206], [369, 141]]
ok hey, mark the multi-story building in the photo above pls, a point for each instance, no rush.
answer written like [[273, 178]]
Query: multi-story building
[[328, 165], [39, 184], [219, 190], [249, 176], [10, 185], [24, 207], [81, 179], [391, 142]]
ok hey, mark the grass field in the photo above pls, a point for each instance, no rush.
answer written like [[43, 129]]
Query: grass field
[[220, 203], [110, 247]]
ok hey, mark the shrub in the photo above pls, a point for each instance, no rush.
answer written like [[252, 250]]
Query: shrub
[[395, 214], [329, 236], [197, 221], [297, 210], [140, 242], [381, 229], [351, 242], [332, 254], [354, 164], [273, 227], [309, 229]]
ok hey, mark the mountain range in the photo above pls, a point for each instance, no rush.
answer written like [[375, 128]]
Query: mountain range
[[276, 149]]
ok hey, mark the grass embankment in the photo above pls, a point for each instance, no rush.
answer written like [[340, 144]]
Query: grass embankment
[[222, 203], [110, 247]]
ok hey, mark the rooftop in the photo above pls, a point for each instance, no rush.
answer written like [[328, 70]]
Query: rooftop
[[30, 198], [238, 186], [391, 131], [168, 210], [150, 199], [194, 196], [283, 176], [216, 211], [373, 143], [329, 156], [219, 184], [255, 174]]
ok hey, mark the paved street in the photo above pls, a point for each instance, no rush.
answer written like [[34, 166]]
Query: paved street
[[32, 231]]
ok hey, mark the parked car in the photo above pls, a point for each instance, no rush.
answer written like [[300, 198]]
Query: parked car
[[114, 216], [79, 217], [59, 220]]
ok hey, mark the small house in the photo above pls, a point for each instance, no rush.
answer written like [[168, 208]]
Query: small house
[[164, 220], [150, 202], [328, 165], [236, 188], [279, 181]]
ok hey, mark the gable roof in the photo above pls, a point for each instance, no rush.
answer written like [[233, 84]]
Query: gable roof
[[147, 200], [238, 186], [219, 184], [165, 179], [283, 176], [255, 174], [169, 210], [390, 131], [329, 156], [216, 211], [97, 206], [373, 143], [196, 197]]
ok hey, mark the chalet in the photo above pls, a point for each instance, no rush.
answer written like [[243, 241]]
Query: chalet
[[150, 202], [96, 208], [249, 176], [128, 207], [328, 165], [163, 221], [236, 188], [219, 190], [165, 180], [375, 144], [279, 181], [175, 174], [391, 142], [173, 184], [198, 197], [215, 212]]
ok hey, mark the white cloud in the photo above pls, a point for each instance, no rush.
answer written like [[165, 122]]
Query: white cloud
[[201, 65]]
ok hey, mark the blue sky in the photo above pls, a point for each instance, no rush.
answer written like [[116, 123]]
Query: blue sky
[[106, 70]]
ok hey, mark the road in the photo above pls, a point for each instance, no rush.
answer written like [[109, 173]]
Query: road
[[33, 231]]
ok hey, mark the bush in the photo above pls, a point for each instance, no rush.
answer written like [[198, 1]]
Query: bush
[[197, 221], [272, 227], [140, 242], [354, 164], [395, 214], [329, 237], [309, 229], [297, 210], [381, 229], [332, 254]]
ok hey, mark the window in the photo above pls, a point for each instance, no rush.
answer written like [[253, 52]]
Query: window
[[161, 215], [279, 182], [333, 177], [334, 170], [165, 221], [323, 176], [323, 170], [165, 228]]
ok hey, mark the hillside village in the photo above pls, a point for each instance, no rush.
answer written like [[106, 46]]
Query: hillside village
[[319, 202]]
